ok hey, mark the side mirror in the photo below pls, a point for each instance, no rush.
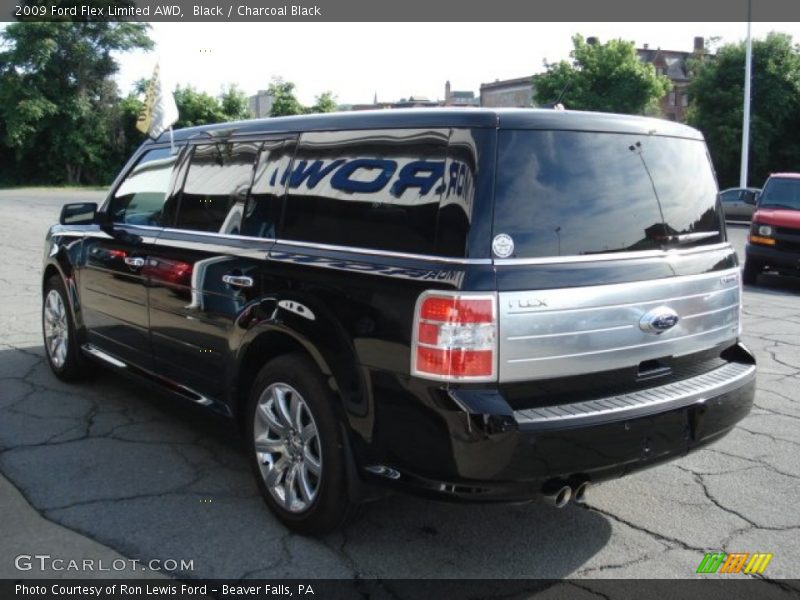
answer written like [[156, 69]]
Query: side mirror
[[78, 213], [750, 197]]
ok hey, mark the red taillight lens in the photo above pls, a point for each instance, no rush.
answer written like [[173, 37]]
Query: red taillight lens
[[455, 309], [455, 337]]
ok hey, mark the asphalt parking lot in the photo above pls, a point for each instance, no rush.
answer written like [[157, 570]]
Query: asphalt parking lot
[[152, 478]]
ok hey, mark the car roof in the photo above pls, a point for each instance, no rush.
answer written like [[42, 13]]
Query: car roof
[[501, 118], [733, 189], [786, 175]]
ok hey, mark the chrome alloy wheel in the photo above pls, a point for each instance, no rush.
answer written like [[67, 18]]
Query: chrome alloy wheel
[[287, 447], [56, 328]]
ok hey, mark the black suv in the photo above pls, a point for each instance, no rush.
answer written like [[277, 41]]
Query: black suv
[[469, 304]]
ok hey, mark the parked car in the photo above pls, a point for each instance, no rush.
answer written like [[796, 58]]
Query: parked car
[[774, 240], [739, 203], [472, 305]]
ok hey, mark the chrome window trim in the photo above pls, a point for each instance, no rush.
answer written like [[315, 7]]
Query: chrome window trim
[[230, 236], [388, 253], [611, 256], [332, 247], [444, 259]]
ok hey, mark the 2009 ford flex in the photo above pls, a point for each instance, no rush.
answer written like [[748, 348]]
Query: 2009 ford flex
[[474, 305]]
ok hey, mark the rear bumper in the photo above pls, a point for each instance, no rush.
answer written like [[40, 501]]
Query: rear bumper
[[505, 455], [780, 260]]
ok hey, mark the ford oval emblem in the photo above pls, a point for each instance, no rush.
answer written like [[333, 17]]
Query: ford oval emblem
[[658, 320]]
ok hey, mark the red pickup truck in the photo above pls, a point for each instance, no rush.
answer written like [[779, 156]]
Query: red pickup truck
[[774, 240]]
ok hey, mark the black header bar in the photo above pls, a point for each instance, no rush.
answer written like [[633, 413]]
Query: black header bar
[[406, 11]]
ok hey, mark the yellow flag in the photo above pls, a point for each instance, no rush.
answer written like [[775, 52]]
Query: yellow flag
[[159, 112]]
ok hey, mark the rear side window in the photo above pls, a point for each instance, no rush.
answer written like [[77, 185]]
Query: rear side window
[[263, 207], [216, 188], [384, 190], [566, 193], [140, 198]]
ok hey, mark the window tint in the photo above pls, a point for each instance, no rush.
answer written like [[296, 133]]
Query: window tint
[[729, 196], [214, 195], [562, 193], [141, 196], [262, 210], [377, 189]]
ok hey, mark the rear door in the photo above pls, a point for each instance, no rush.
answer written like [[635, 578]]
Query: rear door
[[206, 268], [112, 275]]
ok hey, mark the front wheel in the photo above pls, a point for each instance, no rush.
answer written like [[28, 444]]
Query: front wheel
[[750, 271], [296, 446], [60, 342]]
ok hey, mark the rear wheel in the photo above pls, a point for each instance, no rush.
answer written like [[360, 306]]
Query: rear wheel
[[60, 342], [296, 446], [751, 271]]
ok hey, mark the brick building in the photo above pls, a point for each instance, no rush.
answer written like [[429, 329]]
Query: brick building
[[508, 92], [673, 64]]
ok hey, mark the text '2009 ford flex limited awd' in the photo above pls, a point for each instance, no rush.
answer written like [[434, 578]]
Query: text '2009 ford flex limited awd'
[[476, 305]]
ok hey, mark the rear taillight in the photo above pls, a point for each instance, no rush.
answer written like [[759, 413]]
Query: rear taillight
[[455, 337]]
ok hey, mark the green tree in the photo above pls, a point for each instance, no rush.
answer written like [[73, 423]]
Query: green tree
[[284, 101], [234, 104], [196, 108], [717, 97], [605, 77], [199, 108], [58, 102], [325, 103]]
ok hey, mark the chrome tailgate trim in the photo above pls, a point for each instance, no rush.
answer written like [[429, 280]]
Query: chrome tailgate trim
[[575, 331]]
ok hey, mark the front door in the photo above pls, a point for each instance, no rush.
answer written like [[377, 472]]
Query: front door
[[112, 275]]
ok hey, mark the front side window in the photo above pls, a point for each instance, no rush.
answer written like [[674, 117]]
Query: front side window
[[567, 193], [140, 198], [217, 183]]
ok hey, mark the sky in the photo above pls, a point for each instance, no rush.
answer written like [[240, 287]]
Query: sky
[[393, 60]]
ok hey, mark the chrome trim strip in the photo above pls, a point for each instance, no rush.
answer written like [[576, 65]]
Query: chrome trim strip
[[218, 235], [388, 253], [619, 348], [611, 256], [514, 338], [188, 392], [539, 311], [641, 403], [711, 312], [96, 352]]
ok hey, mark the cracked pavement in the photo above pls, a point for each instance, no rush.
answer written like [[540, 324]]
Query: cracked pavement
[[151, 477]]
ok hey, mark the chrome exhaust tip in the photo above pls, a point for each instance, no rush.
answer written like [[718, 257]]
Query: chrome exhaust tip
[[579, 491], [558, 494]]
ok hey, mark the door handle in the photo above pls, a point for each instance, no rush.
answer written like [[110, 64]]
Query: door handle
[[134, 261], [242, 281]]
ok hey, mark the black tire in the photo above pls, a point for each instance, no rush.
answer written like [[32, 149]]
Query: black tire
[[331, 505], [73, 366], [750, 272]]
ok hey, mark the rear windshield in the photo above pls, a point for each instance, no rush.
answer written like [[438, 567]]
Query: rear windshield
[[567, 193], [781, 192]]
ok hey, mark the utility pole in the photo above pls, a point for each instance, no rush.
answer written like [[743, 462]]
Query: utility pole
[[748, 70]]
